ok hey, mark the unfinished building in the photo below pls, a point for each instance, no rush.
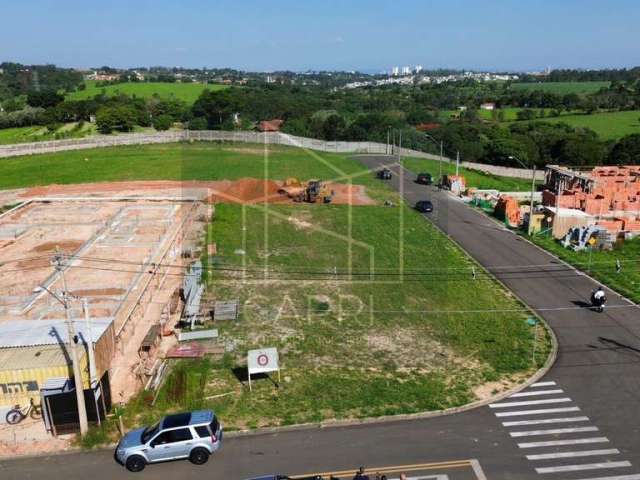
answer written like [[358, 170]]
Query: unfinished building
[[122, 259]]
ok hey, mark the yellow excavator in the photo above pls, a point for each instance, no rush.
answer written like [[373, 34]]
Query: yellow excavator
[[309, 192]]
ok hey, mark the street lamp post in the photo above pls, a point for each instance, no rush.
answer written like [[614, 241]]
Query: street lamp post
[[72, 344], [533, 188], [441, 151]]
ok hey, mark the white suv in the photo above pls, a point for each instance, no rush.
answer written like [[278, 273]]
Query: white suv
[[193, 435]]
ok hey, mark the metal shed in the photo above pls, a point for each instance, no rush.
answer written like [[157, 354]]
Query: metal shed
[[33, 351]]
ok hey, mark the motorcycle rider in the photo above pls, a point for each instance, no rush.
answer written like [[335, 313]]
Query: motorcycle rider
[[598, 299]]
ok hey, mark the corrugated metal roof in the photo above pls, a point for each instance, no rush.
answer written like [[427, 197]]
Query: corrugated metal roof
[[26, 333], [35, 357]]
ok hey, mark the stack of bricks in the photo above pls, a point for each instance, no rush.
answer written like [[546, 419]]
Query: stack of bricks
[[615, 193]]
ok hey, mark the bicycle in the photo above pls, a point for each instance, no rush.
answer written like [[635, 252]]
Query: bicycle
[[17, 414]]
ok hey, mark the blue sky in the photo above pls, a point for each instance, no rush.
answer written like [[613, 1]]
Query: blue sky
[[323, 34]]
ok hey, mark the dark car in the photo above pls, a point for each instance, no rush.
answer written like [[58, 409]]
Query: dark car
[[384, 174], [424, 179], [424, 206]]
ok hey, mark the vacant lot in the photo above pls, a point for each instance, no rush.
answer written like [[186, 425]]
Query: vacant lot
[[562, 87], [357, 337], [189, 92]]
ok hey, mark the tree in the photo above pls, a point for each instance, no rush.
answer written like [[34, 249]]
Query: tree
[[579, 149], [526, 114], [121, 118], [626, 151], [198, 123], [44, 98], [333, 127], [162, 122]]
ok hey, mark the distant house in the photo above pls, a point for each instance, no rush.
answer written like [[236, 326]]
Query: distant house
[[102, 77], [488, 106], [270, 125], [424, 127]]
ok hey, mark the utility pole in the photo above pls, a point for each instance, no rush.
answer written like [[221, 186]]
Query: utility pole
[[457, 162], [73, 348], [533, 189], [399, 145], [388, 133], [440, 175], [93, 375]]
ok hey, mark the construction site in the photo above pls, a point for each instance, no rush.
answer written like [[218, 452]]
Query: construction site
[[591, 208], [114, 304], [120, 251]]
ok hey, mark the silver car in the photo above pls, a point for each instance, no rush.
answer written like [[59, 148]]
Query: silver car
[[192, 435]]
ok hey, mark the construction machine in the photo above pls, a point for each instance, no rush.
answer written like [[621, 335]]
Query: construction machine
[[309, 192]]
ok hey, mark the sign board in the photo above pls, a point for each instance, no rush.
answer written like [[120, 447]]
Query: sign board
[[264, 360]]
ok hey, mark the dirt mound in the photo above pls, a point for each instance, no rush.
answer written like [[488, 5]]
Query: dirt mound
[[250, 190]]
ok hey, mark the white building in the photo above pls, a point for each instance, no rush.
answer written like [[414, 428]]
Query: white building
[[406, 70], [418, 69], [395, 71]]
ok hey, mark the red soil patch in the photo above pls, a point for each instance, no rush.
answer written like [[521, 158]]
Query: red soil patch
[[244, 190], [67, 246], [96, 292], [250, 190]]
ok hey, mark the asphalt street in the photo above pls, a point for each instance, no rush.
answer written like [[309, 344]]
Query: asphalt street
[[580, 422]]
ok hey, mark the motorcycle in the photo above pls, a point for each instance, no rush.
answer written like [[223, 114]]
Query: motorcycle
[[598, 304]]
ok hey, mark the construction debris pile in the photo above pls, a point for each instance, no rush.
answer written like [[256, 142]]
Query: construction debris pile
[[606, 197]]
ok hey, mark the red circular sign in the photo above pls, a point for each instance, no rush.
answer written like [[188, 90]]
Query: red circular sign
[[263, 360]]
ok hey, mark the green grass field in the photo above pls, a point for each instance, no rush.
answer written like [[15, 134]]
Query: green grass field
[[189, 92], [608, 125], [370, 344], [39, 134], [203, 161], [474, 178], [562, 88]]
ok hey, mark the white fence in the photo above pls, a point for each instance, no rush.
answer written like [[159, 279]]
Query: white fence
[[274, 138]]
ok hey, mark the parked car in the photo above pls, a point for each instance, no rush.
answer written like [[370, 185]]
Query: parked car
[[193, 435], [424, 206], [424, 179], [384, 174]]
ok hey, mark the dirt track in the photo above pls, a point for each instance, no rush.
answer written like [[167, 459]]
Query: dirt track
[[245, 190]]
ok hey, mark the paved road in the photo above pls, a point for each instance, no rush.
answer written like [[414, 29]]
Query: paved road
[[580, 422]]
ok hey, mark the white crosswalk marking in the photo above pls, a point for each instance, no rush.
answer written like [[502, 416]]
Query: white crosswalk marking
[[533, 393], [586, 466], [603, 458], [584, 453], [557, 443], [519, 423], [538, 412], [542, 384], [530, 402], [554, 431]]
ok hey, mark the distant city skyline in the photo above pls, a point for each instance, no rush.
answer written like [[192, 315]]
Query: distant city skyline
[[368, 36]]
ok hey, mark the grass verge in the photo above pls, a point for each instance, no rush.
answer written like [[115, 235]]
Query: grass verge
[[474, 178]]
